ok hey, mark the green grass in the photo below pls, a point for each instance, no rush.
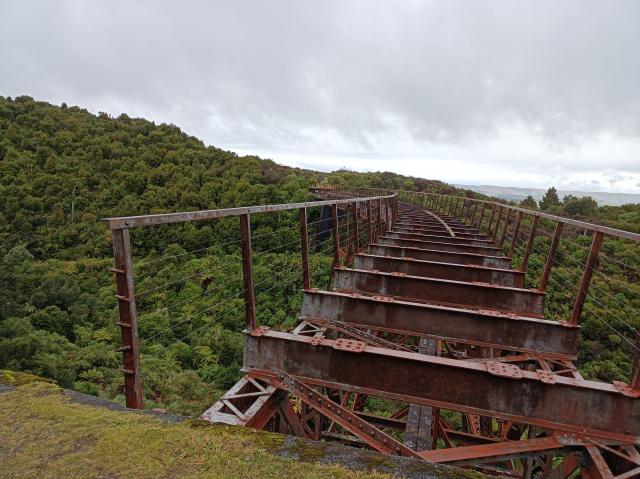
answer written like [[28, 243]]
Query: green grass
[[43, 433]]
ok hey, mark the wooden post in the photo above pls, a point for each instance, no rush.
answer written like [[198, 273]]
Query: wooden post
[[336, 234], [596, 243], [527, 251], [247, 272], [516, 232], [550, 256], [128, 322], [304, 247]]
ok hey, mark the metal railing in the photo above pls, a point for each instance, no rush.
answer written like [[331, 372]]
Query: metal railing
[[362, 220], [507, 225]]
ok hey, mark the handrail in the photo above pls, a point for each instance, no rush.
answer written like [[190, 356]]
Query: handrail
[[167, 218], [569, 221], [448, 228]]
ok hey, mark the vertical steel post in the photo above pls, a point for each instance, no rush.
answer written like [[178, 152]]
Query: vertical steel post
[[356, 229], [450, 205], [304, 246], [527, 251], [379, 220], [550, 256], [504, 228], [516, 232], [369, 222], [484, 207], [596, 243], [495, 231], [493, 213], [336, 232], [128, 322], [247, 272]]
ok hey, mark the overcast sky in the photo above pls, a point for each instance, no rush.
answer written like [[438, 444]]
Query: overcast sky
[[510, 93]]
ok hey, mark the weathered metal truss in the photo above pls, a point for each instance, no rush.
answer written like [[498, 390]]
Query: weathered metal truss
[[429, 319]]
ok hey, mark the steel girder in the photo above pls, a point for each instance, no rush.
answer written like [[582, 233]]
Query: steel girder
[[440, 256], [487, 328], [438, 269], [525, 302], [493, 389]]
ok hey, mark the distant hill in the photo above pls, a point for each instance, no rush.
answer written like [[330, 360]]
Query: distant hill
[[510, 193]]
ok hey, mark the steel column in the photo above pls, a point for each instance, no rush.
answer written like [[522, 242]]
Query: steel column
[[516, 232], [304, 247], [596, 243], [128, 322], [247, 272], [527, 251], [551, 256]]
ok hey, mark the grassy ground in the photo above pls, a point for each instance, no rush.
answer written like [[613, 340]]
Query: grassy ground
[[44, 434]]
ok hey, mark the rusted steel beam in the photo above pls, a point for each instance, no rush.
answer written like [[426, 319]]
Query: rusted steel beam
[[553, 402], [247, 272], [550, 339], [128, 318], [544, 281], [596, 243], [527, 251], [441, 256], [304, 248], [440, 238], [350, 421], [495, 230], [435, 269], [438, 245], [502, 451], [401, 229], [525, 302], [167, 218]]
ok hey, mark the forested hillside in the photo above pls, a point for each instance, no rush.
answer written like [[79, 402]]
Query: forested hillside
[[62, 169]]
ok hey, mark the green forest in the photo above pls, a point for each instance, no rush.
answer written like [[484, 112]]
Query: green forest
[[63, 170]]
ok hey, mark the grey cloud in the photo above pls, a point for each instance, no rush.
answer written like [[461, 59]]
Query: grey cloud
[[272, 74]]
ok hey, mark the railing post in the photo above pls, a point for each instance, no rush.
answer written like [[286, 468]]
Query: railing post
[[493, 213], [450, 205], [596, 243], [369, 222], [128, 322], [304, 246], [516, 232], [356, 229], [550, 256], [495, 231], [527, 251], [336, 232], [247, 272], [379, 221], [484, 207], [504, 228]]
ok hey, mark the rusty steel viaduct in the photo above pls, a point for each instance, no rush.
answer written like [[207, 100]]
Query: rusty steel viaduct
[[428, 313]]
